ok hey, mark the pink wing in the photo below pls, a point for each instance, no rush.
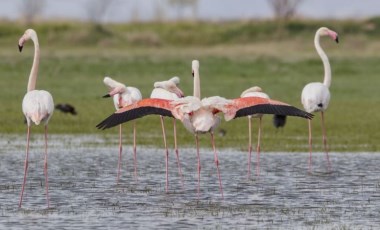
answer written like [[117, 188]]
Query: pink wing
[[246, 106], [139, 109]]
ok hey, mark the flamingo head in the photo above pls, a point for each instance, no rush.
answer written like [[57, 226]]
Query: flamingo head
[[327, 32], [174, 89], [29, 34], [194, 66], [170, 86]]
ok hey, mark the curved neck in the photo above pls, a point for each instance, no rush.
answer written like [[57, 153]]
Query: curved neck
[[197, 84], [325, 60], [34, 70]]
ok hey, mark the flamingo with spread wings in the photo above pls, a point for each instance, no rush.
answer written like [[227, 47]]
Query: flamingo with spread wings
[[200, 116]]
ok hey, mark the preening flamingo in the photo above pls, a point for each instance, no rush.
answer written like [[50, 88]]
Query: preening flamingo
[[254, 92], [316, 95], [123, 96], [199, 116], [168, 90], [37, 106]]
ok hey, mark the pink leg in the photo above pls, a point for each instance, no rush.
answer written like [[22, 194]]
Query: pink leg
[[249, 146], [25, 166], [199, 163], [325, 141], [176, 151], [310, 145], [134, 150], [258, 150], [46, 169], [167, 154], [120, 152], [216, 163]]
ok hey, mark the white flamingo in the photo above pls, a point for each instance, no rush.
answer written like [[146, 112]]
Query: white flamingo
[[37, 106], [200, 116], [168, 90], [123, 96], [254, 92], [316, 95]]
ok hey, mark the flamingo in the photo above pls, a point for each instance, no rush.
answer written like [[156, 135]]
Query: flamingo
[[123, 96], [254, 92], [315, 96], [168, 90], [200, 116], [37, 106]]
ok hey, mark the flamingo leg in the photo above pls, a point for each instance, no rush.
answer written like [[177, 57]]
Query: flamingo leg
[[166, 152], [258, 149], [134, 149], [199, 162], [310, 145], [120, 152], [217, 163], [176, 151], [25, 166], [249, 146], [46, 168], [325, 141]]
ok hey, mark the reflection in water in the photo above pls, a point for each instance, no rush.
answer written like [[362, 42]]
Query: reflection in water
[[82, 179]]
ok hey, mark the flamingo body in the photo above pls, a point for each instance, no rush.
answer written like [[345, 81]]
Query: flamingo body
[[38, 107], [315, 97]]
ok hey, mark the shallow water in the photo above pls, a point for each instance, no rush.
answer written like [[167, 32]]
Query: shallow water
[[84, 193]]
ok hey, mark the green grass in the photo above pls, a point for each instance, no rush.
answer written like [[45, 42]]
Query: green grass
[[73, 65]]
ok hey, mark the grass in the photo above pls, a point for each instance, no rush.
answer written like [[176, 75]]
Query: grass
[[233, 57]]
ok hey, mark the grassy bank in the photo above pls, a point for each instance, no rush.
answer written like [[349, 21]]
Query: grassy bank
[[76, 57]]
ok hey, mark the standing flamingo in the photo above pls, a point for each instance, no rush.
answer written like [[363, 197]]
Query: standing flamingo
[[316, 95], [123, 96], [199, 116], [168, 90], [254, 92], [37, 106]]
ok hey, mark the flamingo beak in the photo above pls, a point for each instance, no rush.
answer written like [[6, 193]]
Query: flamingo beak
[[180, 93], [337, 39], [192, 73], [20, 48], [107, 95]]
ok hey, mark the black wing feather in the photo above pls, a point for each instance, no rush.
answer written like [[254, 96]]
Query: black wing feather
[[285, 110], [119, 118]]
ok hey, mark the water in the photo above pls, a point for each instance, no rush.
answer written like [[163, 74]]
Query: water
[[84, 193]]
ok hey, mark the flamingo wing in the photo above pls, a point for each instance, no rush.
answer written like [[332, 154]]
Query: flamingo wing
[[242, 107], [137, 110]]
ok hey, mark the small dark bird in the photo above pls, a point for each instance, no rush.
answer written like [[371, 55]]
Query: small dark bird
[[66, 108], [279, 121]]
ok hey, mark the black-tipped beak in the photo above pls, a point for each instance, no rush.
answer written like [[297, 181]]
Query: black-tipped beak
[[107, 95], [20, 48], [337, 39], [192, 73]]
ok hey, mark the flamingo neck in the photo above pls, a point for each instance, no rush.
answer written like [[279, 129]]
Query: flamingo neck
[[325, 60], [197, 84], [36, 61]]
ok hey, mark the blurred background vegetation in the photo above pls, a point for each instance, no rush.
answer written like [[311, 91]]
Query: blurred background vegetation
[[277, 54]]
